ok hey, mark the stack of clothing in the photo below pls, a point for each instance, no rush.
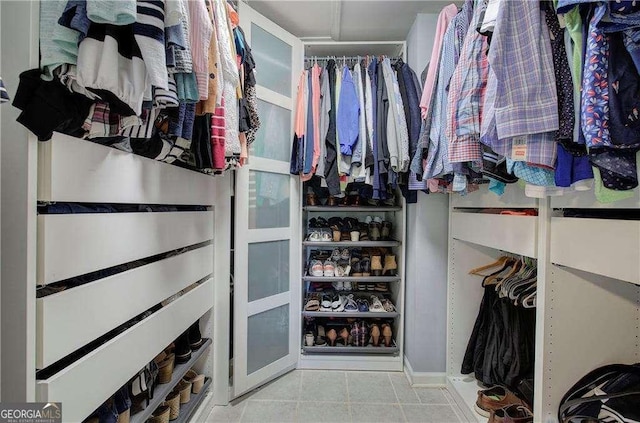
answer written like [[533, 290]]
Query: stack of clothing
[[172, 80]]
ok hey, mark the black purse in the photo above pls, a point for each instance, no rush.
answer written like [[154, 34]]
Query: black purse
[[610, 393]]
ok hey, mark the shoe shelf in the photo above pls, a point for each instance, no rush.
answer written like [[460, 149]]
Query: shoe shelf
[[161, 391], [349, 349], [187, 410], [347, 314], [370, 209], [371, 279], [351, 244]]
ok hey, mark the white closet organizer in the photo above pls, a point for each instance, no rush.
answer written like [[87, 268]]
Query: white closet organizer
[[70, 245], [356, 358], [476, 239], [352, 357], [591, 296], [588, 289]]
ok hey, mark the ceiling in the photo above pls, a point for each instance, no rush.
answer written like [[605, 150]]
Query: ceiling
[[346, 20]]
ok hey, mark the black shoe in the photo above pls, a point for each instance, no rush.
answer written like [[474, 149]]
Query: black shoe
[[183, 351], [195, 339]]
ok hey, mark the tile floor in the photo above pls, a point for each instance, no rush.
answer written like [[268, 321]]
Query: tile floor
[[336, 396]]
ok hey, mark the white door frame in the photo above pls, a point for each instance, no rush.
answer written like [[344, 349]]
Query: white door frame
[[242, 381]]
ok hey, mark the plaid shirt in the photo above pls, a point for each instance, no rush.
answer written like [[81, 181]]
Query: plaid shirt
[[466, 93], [541, 148], [526, 100]]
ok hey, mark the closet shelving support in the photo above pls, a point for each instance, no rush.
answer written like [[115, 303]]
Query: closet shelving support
[[588, 288], [476, 239]]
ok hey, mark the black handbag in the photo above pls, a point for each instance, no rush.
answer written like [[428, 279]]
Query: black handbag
[[607, 394]]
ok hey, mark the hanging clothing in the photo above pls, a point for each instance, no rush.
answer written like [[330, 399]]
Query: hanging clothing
[[325, 108], [466, 94], [444, 18], [347, 118], [331, 160]]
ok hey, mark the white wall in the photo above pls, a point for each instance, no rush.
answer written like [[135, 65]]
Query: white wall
[[427, 234]]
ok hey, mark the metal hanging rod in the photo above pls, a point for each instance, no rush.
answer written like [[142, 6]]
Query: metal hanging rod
[[324, 58]]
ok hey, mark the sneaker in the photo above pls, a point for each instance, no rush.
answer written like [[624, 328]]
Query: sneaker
[[338, 286], [335, 256], [329, 268], [316, 268]]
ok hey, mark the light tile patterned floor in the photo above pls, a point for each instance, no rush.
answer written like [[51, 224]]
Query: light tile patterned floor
[[335, 396]]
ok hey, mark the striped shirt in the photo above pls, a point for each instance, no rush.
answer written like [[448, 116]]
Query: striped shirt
[[4, 96], [149, 33]]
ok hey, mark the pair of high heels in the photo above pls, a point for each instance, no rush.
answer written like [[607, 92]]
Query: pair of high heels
[[390, 265], [386, 334], [332, 336]]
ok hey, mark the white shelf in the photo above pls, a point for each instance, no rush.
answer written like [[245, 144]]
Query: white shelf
[[369, 279], [74, 244], [605, 247], [514, 234], [355, 244], [341, 349], [348, 314], [464, 390], [513, 197], [351, 209], [59, 330], [76, 170]]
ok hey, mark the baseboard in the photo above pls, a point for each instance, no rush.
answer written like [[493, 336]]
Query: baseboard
[[424, 379]]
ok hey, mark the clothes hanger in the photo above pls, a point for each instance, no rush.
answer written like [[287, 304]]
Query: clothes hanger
[[530, 301], [493, 278], [524, 276], [497, 263], [515, 268]]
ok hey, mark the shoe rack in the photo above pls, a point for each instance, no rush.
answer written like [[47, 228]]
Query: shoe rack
[[347, 353]]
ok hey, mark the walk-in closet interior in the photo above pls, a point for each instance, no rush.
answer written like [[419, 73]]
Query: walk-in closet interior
[[331, 210]]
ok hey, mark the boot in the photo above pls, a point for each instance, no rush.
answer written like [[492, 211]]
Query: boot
[[183, 351], [390, 265], [376, 265], [195, 339]]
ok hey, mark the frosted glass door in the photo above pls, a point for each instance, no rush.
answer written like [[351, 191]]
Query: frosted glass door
[[267, 228]]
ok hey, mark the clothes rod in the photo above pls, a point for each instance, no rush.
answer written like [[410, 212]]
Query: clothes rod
[[324, 58]]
